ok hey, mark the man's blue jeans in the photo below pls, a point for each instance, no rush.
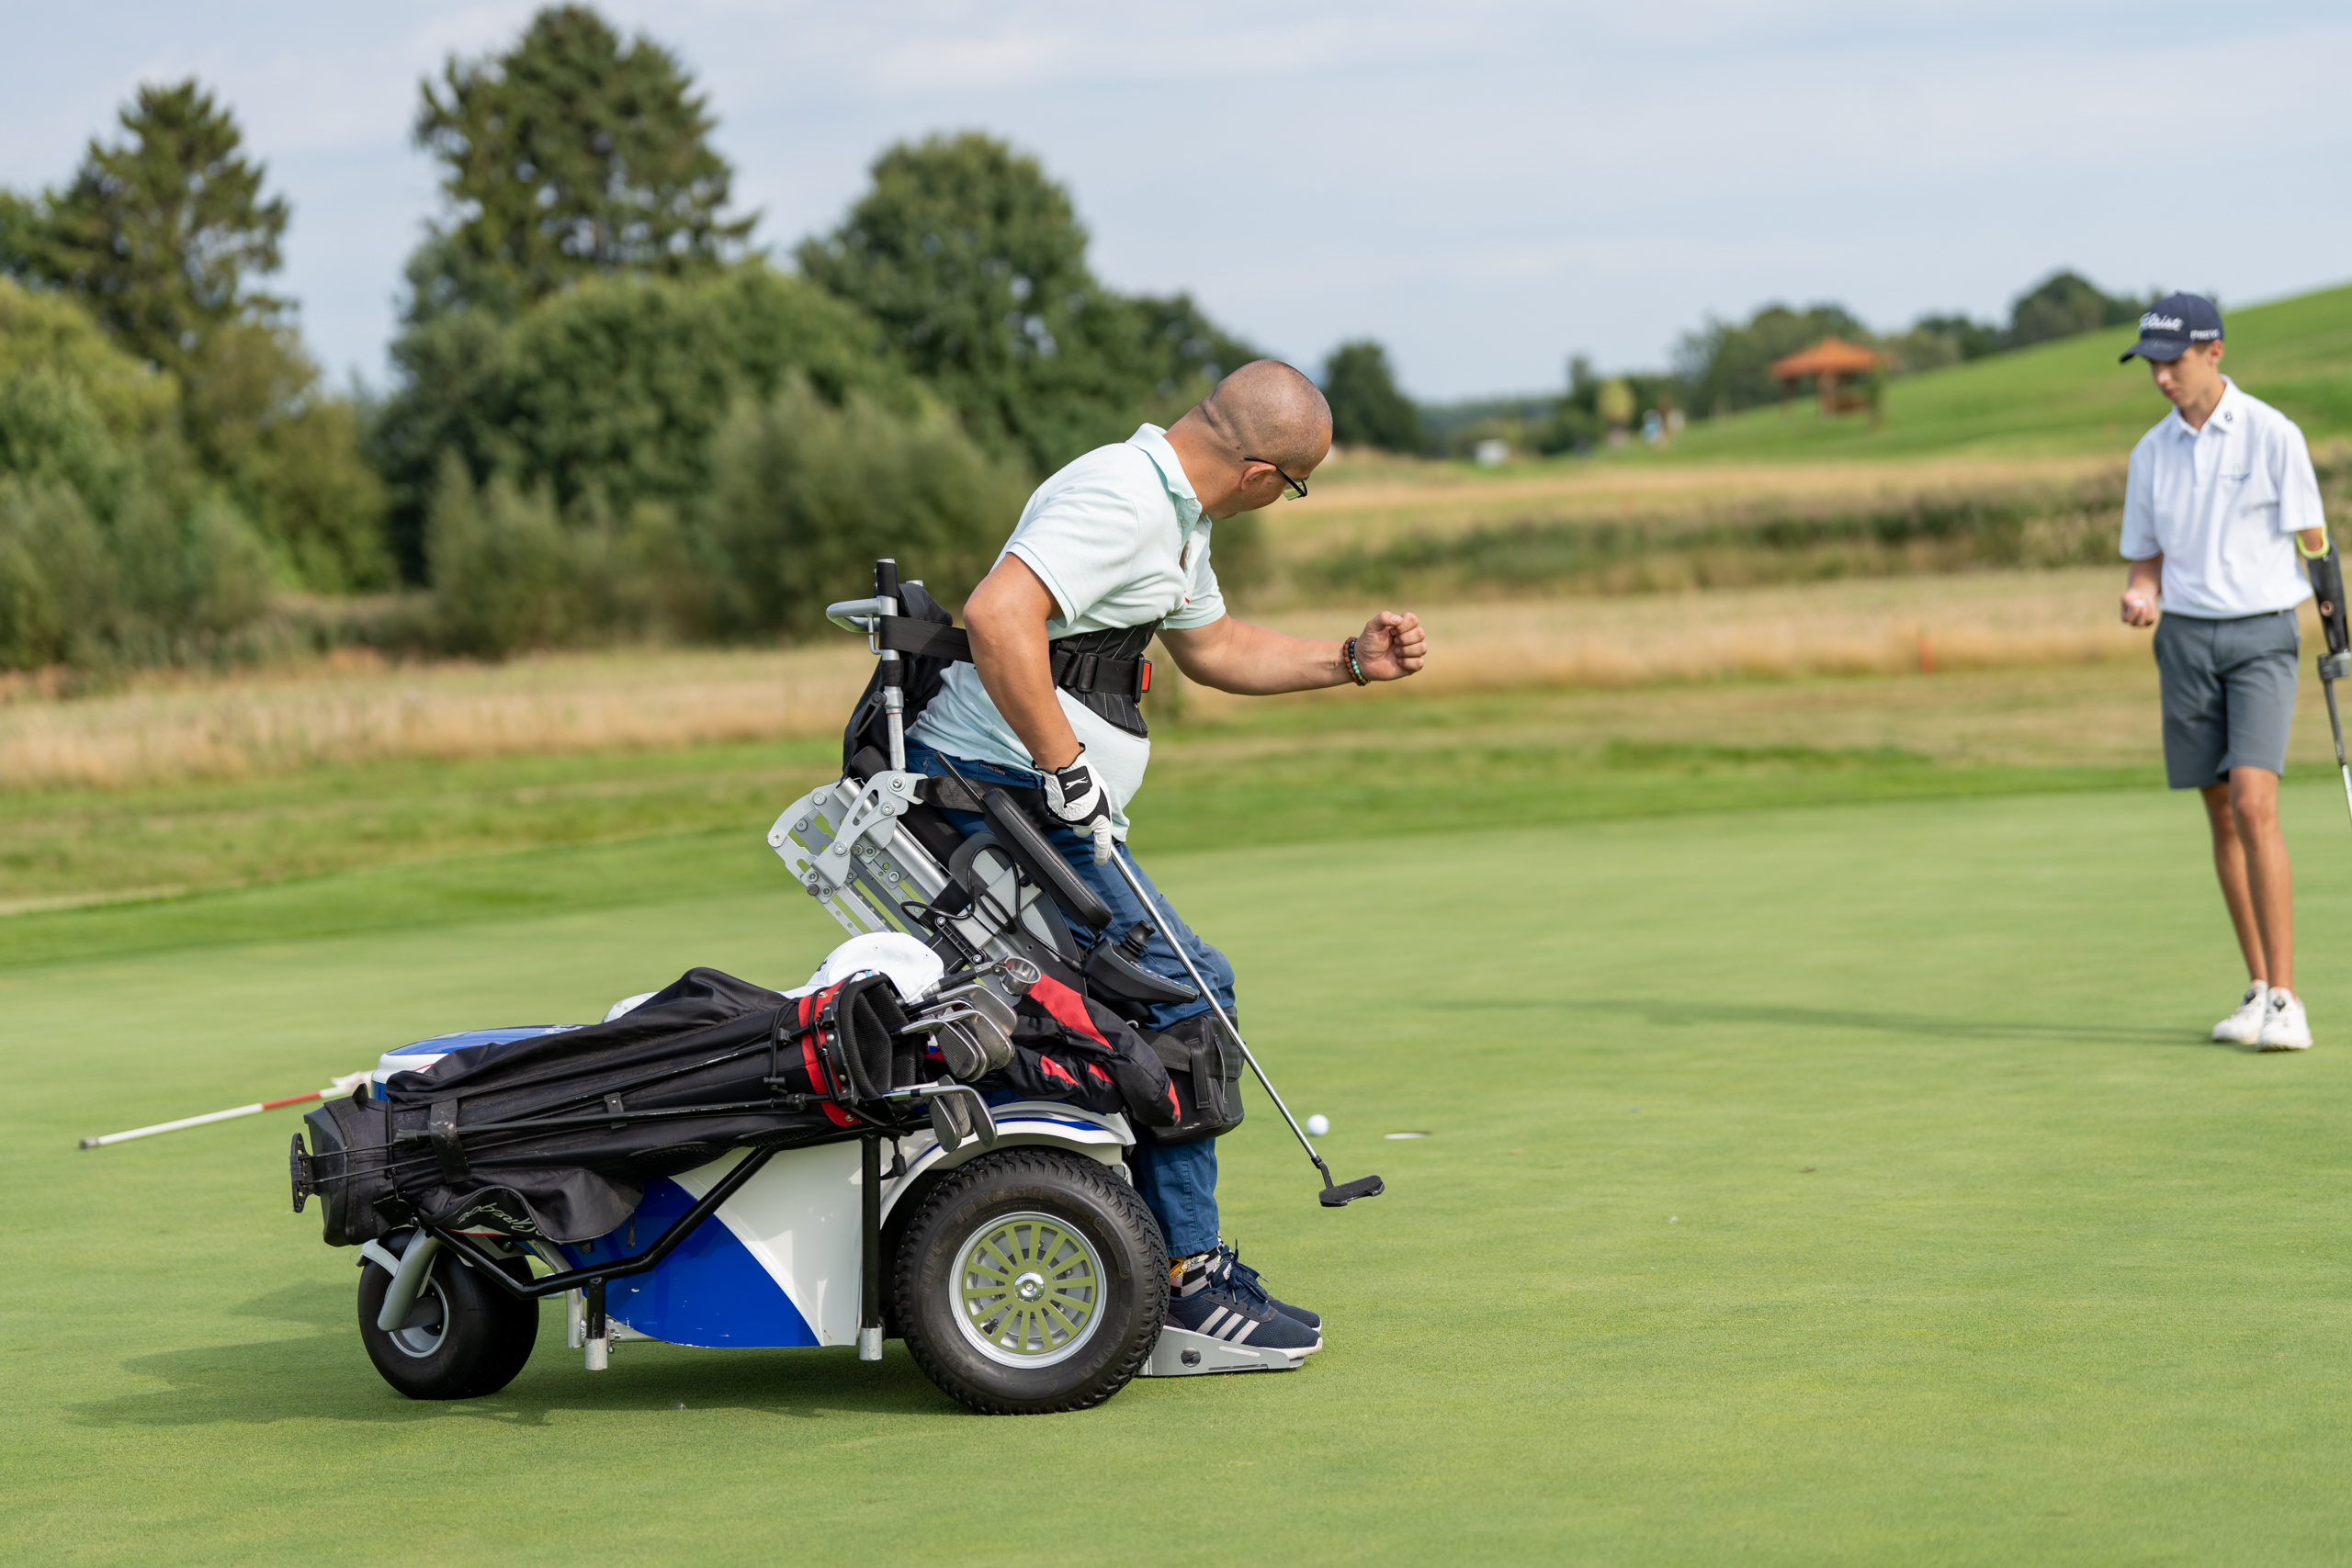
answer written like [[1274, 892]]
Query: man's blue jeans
[[1178, 1183]]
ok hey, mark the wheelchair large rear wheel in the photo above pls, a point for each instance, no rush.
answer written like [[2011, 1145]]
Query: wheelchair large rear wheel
[[1032, 1280]]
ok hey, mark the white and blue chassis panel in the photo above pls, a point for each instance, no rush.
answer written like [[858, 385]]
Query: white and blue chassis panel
[[780, 1266]]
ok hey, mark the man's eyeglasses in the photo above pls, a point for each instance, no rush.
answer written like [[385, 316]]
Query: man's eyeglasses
[[1297, 489]]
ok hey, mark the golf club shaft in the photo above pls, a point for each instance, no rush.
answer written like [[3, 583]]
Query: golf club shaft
[[253, 1109], [2336, 725], [1144, 896]]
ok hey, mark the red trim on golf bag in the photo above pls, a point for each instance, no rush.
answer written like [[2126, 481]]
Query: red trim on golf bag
[[811, 1059], [1068, 1007], [1120, 1072]]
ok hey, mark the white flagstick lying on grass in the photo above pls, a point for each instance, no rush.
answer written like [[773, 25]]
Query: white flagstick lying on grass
[[343, 1085]]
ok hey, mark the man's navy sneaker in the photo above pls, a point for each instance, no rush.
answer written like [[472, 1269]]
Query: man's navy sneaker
[[1226, 1266], [1235, 1311]]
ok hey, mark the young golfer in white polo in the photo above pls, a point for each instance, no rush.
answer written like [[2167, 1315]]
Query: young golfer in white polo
[[2221, 500]]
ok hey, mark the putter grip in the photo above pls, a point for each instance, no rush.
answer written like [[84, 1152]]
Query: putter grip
[[2327, 587]]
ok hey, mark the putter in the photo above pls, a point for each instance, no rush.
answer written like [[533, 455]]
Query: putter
[[2327, 585], [1335, 1196]]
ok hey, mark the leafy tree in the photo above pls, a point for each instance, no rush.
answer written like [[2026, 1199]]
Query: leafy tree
[[974, 266], [257, 418], [614, 389], [111, 552], [2064, 304], [1728, 367], [1366, 408], [44, 332], [809, 494], [163, 236], [973, 263], [570, 155], [1178, 355], [163, 239], [1969, 339], [20, 236]]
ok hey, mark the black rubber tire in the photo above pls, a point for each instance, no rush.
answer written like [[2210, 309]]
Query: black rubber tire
[[486, 1336], [1092, 1199]]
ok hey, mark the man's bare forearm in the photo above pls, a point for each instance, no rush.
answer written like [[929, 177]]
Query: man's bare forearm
[[1251, 661]]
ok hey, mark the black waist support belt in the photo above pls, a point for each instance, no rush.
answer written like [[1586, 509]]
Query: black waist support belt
[[1106, 671]]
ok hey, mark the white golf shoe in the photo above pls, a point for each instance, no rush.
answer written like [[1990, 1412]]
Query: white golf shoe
[[2283, 1025], [2244, 1027]]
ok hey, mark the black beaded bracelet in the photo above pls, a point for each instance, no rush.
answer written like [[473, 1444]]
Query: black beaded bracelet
[[1354, 670]]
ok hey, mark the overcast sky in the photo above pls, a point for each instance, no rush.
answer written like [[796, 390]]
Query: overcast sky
[[1485, 187]]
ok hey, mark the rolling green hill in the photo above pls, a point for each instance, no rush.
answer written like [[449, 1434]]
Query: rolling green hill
[[2068, 396]]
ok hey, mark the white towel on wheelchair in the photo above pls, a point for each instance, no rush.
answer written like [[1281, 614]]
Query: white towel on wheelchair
[[913, 968]]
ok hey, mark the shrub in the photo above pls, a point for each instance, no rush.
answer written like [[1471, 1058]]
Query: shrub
[[615, 387], [151, 585], [505, 573], [807, 495], [290, 455]]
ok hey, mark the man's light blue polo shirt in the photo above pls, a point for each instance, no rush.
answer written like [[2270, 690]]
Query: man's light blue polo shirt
[[1118, 539]]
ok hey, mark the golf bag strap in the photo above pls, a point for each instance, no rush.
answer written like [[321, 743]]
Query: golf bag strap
[[923, 639], [448, 1152]]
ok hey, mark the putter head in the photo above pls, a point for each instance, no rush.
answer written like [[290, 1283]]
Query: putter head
[[1362, 1187]]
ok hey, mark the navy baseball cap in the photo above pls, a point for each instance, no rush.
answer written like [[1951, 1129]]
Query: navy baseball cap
[[2173, 325]]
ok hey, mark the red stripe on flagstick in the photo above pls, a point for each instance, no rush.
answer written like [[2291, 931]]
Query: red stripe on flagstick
[[274, 1104]]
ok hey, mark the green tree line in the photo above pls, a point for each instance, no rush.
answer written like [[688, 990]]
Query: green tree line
[[609, 413]]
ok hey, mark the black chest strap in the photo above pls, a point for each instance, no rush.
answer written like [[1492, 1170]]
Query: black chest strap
[[1106, 671]]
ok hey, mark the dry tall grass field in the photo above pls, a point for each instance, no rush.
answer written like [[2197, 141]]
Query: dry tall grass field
[[355, 710], [1368, 497]]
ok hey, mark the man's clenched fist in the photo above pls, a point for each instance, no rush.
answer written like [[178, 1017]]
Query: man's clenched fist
[[1079, 801], [1392, 646]]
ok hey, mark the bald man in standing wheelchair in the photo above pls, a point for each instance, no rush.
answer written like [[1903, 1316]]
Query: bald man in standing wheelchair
[[1111, 551]]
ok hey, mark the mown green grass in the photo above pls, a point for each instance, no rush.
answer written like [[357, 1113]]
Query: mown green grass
[[2058, 398], [1804, 1186], [340, 850]]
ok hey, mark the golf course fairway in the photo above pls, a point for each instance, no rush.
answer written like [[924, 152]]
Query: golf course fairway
[[1845, 1184]]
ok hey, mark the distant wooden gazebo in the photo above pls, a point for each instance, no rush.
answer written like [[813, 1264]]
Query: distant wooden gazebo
[[1825, 364]]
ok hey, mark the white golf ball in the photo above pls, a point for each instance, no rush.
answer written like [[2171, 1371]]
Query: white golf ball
[[1318, 1125]]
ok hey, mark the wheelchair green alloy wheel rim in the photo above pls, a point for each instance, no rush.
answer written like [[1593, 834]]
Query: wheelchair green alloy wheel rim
[[1030, 1290]]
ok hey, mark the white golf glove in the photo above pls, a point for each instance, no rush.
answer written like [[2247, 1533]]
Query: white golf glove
[[1080, 801]]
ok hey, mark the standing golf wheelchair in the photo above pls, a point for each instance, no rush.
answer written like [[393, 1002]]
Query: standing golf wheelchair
[[929, 1140]]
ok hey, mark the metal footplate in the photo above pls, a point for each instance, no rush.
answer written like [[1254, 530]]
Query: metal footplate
[[1181, 1353]]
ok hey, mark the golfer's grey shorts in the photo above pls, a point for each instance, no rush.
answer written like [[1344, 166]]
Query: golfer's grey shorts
[[2229, 694]]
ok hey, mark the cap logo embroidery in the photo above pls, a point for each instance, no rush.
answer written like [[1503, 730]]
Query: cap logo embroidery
[[2153, 323]]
